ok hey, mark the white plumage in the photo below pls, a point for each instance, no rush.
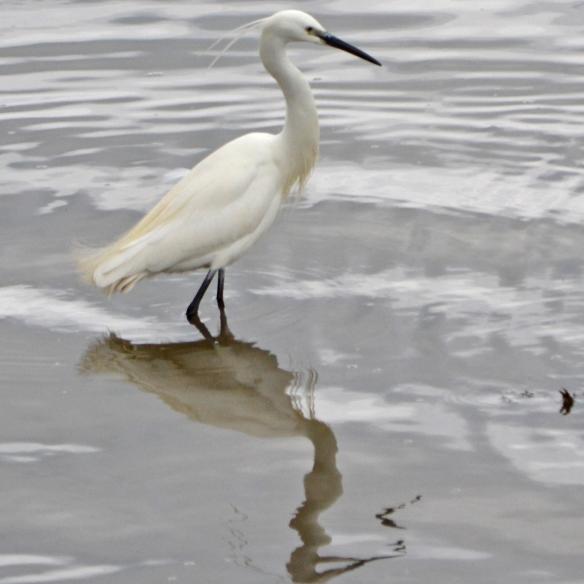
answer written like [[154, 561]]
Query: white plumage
[[207, 220], [230, 198]]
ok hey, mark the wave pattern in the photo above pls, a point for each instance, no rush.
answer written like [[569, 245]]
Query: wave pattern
[[433, 277], [492, 88]]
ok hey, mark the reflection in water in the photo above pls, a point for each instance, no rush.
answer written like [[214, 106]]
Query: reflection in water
[[232, 384], [322, 487], [386, 516]]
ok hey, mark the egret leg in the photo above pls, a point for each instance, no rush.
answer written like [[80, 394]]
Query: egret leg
[[201, 327], [220, 284], [193, 309], [225, 335]]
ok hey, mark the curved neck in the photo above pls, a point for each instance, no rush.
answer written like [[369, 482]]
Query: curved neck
[[300, 135]]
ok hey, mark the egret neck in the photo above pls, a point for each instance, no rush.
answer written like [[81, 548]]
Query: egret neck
[[300, 136]]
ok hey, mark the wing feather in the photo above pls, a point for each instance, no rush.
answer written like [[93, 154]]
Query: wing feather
[[220, 200]]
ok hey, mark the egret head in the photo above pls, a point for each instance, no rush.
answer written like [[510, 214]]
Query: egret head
[[297, 26]]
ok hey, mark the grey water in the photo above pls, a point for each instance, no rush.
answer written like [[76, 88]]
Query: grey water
[[385, 403]]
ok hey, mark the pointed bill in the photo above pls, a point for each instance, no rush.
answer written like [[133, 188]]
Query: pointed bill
[[333, 41]]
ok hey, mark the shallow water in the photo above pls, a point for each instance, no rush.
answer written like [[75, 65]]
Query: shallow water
[[387, 405]]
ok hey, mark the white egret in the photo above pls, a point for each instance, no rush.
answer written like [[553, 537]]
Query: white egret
[[230, 198]]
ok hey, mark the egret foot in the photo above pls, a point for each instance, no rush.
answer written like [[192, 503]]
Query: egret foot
[[202, 328]]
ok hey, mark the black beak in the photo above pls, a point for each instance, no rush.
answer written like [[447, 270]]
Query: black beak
[[332, 41]]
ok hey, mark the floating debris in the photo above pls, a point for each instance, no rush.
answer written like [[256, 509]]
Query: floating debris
[[567, 402]]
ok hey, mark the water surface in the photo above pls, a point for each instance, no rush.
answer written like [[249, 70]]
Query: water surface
[[384, 405]]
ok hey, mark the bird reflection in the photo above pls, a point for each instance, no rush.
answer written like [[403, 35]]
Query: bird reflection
[[227, 383]]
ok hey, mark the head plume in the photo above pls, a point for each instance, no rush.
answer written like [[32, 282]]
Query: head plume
[[237, 33]]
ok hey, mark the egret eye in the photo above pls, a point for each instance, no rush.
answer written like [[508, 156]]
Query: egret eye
[[309, 29]]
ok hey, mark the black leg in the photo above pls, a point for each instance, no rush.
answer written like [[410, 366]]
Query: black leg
[[225, 335], [220, 283], [193, 309], [200, 326]]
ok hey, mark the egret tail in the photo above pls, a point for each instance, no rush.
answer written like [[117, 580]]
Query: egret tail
[[111, 268]]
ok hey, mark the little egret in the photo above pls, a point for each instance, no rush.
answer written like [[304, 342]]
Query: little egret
[[230, 198]]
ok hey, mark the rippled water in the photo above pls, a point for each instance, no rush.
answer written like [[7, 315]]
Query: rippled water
[[387, 406]]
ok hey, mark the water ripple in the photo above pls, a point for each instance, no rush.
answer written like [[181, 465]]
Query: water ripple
[[459, 90]]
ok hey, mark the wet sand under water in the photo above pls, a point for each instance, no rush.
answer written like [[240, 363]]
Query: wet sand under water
[[385, 405]]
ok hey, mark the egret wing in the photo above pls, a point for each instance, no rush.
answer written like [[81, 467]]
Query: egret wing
[[221, 233], [221, 199], [213, 183]]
